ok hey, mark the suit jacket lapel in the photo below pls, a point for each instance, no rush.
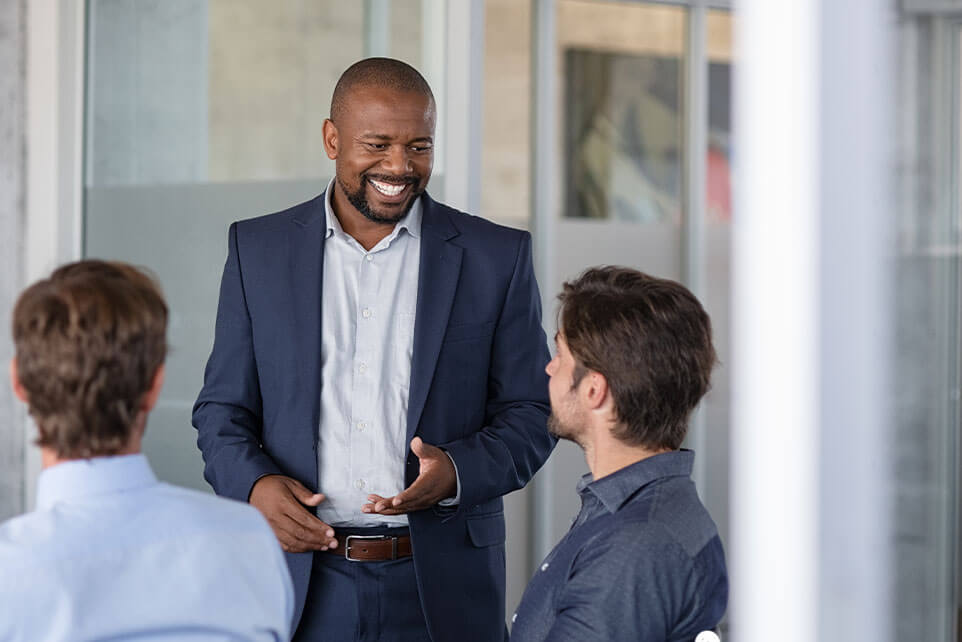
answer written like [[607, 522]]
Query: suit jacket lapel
[[305, 266], [438, 273]]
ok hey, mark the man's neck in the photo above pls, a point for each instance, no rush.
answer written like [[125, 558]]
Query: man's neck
[[606, 455], [49, 456]]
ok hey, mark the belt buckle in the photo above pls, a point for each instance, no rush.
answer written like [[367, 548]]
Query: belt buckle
[[347, 545]]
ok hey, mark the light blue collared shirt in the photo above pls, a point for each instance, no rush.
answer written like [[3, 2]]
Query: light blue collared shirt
[[368, 312], [112, 553]]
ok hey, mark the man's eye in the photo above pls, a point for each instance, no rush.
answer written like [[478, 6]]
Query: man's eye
[[420, 149], [377, 146]]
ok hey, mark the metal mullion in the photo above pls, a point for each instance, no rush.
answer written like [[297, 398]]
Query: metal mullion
[[696, 144], [544, 220], [377, 28]]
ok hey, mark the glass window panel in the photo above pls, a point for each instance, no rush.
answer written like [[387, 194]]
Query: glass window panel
[[200, 113], [926, 351], [506, 155], [623, 115]]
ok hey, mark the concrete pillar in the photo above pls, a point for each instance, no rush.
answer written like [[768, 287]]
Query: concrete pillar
[[12, 165]]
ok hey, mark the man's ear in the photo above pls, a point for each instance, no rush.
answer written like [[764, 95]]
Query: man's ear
[[329, 132], [150, 399], [18, 388], [595, 390]]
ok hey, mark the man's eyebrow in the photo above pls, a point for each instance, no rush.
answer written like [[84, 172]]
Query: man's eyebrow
[[385, 137]]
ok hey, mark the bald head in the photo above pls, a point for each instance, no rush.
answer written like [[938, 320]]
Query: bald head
[[381, 73]]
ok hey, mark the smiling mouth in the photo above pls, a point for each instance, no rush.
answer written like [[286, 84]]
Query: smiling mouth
[[388, 189]]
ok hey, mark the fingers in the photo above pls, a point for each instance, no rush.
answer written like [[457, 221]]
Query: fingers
[[282, 502], [417, 447], [295, 538], [376, 503], [416, 497], [309, 528], [422, 450], [302, 494], [418, 494]]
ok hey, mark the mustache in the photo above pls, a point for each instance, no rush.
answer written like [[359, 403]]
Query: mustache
[[411, 179]]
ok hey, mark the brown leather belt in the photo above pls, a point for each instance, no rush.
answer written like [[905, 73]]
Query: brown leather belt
[[372, 548]]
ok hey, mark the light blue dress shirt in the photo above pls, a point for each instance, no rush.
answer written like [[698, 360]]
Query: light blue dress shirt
[[368, 313], [112, 553]]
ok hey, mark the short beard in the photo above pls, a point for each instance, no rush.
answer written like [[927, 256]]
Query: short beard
[[359, 200], [561, 430]]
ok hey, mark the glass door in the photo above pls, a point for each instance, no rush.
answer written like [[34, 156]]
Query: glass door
[[927, 319]]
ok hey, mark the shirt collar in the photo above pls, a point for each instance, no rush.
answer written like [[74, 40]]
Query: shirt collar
[[79, 478], [410, 223], [615, 489]]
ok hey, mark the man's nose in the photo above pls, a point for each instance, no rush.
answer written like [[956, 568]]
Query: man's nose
[[398, 159]]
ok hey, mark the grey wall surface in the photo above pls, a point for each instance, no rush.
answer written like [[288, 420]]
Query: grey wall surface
[[12, 174]]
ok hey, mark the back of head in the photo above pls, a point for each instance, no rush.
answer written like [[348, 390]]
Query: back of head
[[381, 73], [89, 340], [651, 339]]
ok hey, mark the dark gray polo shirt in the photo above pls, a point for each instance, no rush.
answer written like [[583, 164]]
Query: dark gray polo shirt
[[642, 562]]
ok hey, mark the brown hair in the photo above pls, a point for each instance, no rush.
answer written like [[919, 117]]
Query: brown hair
[[89, 340], [650, 338]]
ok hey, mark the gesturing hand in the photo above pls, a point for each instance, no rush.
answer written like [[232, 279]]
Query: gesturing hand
[[282, 500], [436, 481]]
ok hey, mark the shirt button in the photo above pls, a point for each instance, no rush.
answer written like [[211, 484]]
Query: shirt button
[[360, 484], [544, 567], [369, 258], [361, 425], [707, 636], [362, 368], [366, 313]]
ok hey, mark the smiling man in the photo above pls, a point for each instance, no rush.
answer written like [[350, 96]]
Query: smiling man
[[376, 383]]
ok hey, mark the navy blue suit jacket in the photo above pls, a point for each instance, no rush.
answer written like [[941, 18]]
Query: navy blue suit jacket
[[478, 389]]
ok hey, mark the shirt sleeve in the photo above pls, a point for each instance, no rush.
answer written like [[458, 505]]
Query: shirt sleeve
[[626, 586], [453, 501]]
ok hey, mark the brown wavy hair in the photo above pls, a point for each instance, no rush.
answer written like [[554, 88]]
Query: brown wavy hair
[[89, 340], [651, 339]]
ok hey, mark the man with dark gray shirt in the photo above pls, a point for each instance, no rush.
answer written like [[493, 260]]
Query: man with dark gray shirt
[[643, 560]]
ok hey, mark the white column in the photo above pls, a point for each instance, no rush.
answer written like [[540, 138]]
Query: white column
[[809, 555], [774, 554]]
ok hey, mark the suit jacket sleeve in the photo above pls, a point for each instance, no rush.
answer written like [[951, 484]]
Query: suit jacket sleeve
[[514, 442], [228, 414]]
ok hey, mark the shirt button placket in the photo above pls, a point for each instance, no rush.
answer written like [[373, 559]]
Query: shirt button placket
[[366, 334]]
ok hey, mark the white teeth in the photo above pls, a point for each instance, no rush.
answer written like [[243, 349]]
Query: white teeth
[[387, 188]]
